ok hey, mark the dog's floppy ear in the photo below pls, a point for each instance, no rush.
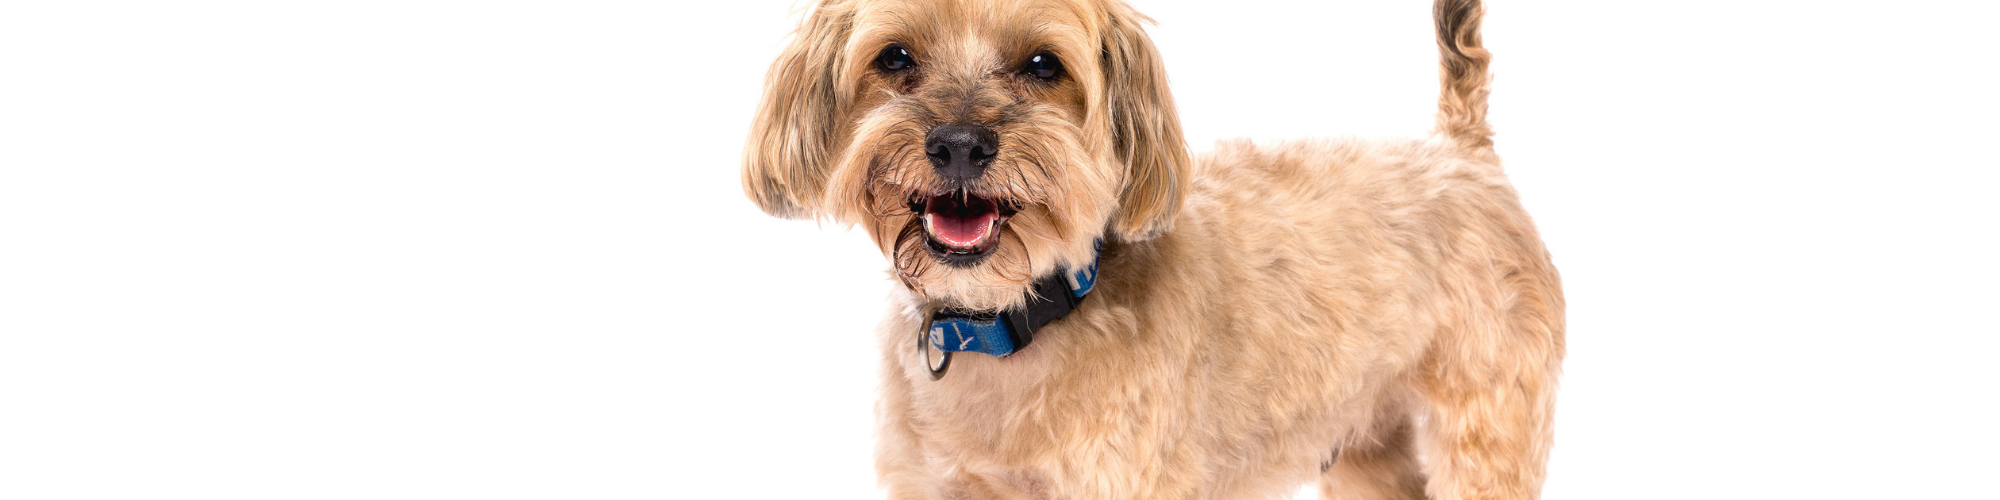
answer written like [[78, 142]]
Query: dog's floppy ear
[[785, 163], [1145, 130]]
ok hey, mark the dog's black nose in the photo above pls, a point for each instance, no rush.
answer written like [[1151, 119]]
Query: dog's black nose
[[961, 152]]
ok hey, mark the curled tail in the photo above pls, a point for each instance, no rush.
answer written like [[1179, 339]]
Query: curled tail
[[1463, 78]]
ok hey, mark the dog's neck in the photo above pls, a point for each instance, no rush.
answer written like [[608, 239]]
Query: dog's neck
[[1008, 331]]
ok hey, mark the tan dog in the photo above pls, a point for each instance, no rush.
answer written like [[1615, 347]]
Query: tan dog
[[1381, 315]]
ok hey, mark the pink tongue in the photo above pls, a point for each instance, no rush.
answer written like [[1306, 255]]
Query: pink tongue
[[961, 231]]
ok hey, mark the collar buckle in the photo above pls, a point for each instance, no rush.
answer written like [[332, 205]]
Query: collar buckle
[[1005, 332]]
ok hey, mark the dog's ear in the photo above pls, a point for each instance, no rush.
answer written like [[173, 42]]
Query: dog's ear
[[786, 160], [1145, 130]]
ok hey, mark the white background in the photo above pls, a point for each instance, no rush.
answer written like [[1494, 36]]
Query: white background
[[429, 249]]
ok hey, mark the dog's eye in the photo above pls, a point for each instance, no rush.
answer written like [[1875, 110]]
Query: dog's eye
[[894, 59], [1043, 66]]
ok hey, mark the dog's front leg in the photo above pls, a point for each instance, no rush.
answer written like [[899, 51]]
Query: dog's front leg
[[900, 465]]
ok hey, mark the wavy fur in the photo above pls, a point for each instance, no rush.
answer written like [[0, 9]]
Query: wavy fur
[[1379, 316]]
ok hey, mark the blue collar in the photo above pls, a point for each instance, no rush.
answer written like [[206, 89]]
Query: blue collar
[[1006, 332]]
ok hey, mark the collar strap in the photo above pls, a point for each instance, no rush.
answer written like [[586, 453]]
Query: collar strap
[[1008, 331]]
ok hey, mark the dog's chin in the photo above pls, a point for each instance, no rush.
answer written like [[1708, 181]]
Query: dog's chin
[[962, 249], [962, 229]]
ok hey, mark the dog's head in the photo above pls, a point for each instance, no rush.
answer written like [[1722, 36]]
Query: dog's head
[[982, 143]]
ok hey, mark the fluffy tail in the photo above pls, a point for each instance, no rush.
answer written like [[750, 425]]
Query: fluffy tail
[[1462, 95]]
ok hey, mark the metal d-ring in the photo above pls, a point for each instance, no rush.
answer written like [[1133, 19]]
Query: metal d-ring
[[924, 344]]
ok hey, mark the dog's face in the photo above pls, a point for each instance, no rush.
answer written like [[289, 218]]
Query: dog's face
[[982, 143]]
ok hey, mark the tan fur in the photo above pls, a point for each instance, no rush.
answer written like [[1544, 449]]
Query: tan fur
[[1260, 308]]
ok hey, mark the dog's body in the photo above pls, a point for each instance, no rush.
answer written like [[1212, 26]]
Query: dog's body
[[1379, 314]]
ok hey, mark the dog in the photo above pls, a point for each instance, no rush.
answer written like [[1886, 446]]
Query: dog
[[1089, 311]]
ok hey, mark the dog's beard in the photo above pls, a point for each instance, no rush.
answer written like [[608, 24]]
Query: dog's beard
[[1006, 270], [1058, 196]]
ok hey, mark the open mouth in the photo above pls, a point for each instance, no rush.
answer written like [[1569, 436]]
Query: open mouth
[[962, 228]]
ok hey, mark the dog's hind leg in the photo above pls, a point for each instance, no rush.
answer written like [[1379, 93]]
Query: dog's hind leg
[[1487, 427], [1382, 468], [1489, 381]]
